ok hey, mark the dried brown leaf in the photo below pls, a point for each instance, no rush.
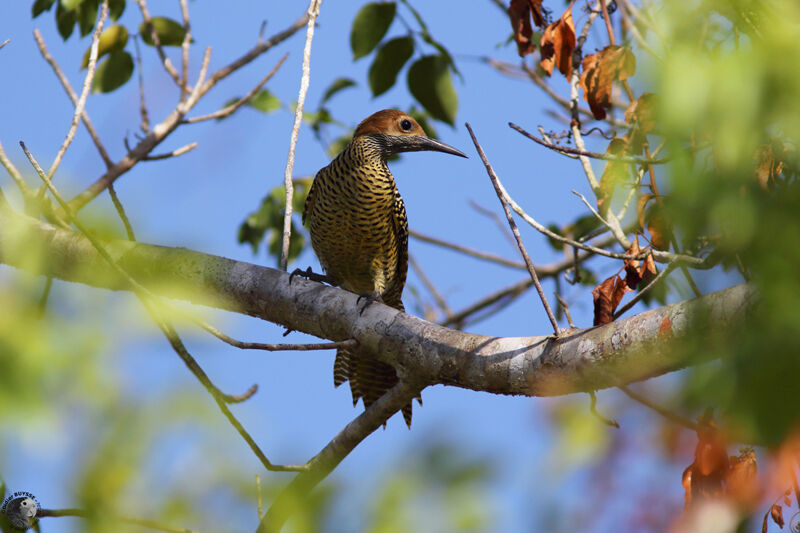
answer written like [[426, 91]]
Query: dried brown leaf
[[740, 480], [648, 270], [776, 512], [632, 266], [600, 71], [519, 12], [558, 43], [607, 296], [640, 209]]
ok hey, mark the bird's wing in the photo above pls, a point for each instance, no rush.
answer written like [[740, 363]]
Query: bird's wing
[[310, 198], [401, 230]]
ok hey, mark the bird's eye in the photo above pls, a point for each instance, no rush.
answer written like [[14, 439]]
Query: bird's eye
[[405, 124]]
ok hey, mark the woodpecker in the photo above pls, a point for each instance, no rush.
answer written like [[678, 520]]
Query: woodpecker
[[359, 232]]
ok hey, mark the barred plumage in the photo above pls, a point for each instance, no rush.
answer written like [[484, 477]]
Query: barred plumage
[[359, 232]]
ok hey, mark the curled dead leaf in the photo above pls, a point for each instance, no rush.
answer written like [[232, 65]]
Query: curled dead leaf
[[519, 12], [632, 266], [600, 71], [776, 512], [740, 480], [558, 43], [607, 296]]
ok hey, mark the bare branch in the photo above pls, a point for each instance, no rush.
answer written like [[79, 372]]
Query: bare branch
[[580, 360], [150, 524], [313, 11], [168, 125], [145, 124], [486, 256], [565, 307], [515, 230], [4, 43], [175, 153], [87, 84], [335, 451], [14, 173], [586, 153], [228, 110], [148, 300], [496, 219], [157, 42], [187, 39], [440, 301], [73, 97], [349, 343], [121, 212]]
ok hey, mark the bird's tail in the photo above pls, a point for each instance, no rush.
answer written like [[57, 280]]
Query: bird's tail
[[369, 378]]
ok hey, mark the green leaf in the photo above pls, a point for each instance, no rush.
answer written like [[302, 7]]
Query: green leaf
[[112, 39], [268, 219], [116, 8], [337, 85], [71, 5], [429, 82], [170, 32], [87, 16], [387, 64], [264, 101], [370, 25], [113, 72], [40, 6], [65, 21]]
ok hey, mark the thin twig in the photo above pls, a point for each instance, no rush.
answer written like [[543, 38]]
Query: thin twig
[[228, 110], [597, 215], [14, 173], [514, 230], [187, 39], [121, 211], [175, 153], [565, 307], [496, 219], [313, 11], [638, 296], [334, 452], [666, 413], [486, 256], [520, 287], [593, 409], [147, 300], [349, 343], [145, 124], [87, 85], [37, 36], [440, 301], [157, 42], [81, 513], [162, 130], [4, 43], [637, 34], [586, 153]]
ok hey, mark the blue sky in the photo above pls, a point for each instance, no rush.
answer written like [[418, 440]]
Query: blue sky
[[198, 201]]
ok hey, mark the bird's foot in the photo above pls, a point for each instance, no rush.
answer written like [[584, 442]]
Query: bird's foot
[[310, 274], [369, 299]]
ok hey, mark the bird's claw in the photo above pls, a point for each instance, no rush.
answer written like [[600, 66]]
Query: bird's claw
[[369, 299], [309, 274]]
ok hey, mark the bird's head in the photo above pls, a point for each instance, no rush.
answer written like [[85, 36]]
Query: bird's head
[[398, 132]]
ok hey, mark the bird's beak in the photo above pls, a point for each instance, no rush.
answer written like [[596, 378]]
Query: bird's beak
[[419, 143]]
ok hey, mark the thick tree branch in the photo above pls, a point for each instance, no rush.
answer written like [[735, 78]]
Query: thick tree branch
[[595, 358]]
